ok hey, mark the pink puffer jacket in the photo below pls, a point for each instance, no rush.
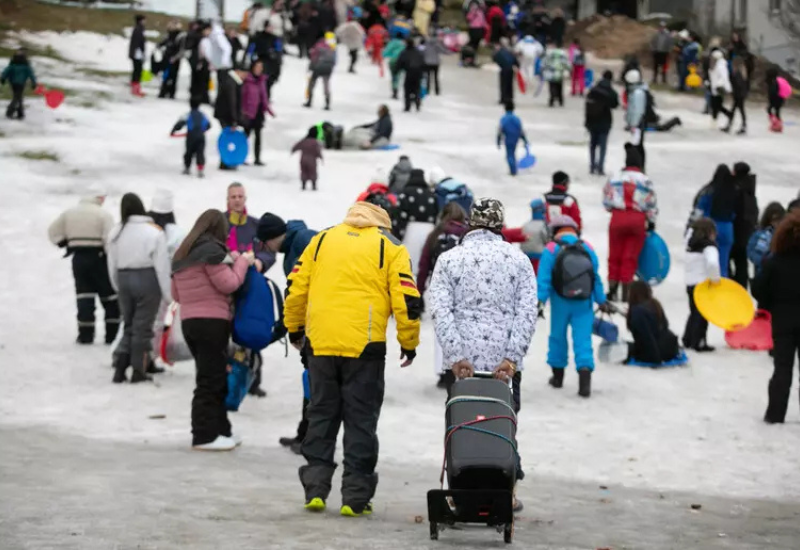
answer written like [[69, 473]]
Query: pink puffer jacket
[[204, 290]]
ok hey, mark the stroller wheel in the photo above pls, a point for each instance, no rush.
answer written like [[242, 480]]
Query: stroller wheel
[[508, 532], [434, 531]]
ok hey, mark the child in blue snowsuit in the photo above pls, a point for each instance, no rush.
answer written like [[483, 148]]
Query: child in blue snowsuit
[[511, 131], [196, 125], [565, 312]]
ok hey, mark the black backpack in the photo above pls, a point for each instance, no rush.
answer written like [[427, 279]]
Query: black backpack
[[573, 272], [444, 243]]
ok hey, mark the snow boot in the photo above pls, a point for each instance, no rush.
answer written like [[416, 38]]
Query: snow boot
[[186, 172], [611, 296], [585, 382], [327, 103], [120, 362], [557, 380], [221, 443], [139, 376], [742, 131], [136, 87]]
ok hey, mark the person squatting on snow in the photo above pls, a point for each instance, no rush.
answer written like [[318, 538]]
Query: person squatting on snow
[[255, 105], [528, 50], [171, 59], [577, 58], [322, 61], [17, 74], [290, 239], [508, 63], [483, 301], [412, 64], [415, 216], [432, 50], [600, 102], [136, 53], [702, 263], [510, 132], [400, 174], [556, 63], [636, 114], [196, 125], [346, 333], [351, 34], [760, 242], [559, 202], [204, 276], [776, 290], [82, 230], [653, 341], [719, 203], [630, 198], [310, 152], [139, 269], [568, 277]]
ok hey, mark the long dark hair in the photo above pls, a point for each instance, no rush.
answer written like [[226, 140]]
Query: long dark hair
[[723, 193], [641, 294], [772, 213], [131, 205], [161, 219], [452, 212], [211, 224], [787, 236]]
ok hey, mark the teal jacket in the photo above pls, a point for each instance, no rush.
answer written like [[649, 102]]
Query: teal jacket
[[393, 49], [18, 74]]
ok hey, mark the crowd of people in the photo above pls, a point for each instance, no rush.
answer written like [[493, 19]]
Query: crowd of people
[[416, 242]]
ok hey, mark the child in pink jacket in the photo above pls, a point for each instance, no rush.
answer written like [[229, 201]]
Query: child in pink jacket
[[204, 276], [577, 57]]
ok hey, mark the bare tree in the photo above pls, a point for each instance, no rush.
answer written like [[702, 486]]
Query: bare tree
[[786, 13]]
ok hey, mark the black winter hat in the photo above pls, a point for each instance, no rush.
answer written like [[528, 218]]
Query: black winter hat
[[269, 227], [560, 178], [741, 169], [633, 158]]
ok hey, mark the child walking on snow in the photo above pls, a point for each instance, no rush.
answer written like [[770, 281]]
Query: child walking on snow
[[702, 262], [310, 151], [577, 57], [511, 132], [17, 73], [196, 125]]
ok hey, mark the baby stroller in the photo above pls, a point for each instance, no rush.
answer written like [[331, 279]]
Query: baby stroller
[[481, 459]]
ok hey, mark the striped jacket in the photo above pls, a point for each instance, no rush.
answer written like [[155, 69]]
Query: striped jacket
[[631, 189]]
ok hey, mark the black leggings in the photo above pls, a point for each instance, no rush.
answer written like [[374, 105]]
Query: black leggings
[[696, 325], [738, 104], [774, 108], [557, 93], [256, 128], [432, 77], [136, 75], [353, 60], [475, 37], [717, 107]]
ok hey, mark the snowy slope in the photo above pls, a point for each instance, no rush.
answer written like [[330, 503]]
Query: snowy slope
[[186, 8], [697, 428]]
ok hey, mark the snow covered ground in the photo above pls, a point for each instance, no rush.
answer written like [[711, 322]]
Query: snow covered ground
[[696, 429]]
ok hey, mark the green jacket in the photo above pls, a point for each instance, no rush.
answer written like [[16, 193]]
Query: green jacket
[[393, 49], [18, 74]]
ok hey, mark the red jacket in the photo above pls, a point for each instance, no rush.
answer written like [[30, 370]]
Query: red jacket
[[493, 13], [561, 203], [381, 188]]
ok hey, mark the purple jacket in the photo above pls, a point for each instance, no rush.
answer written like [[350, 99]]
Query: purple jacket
[[254, 96], [242, 237]]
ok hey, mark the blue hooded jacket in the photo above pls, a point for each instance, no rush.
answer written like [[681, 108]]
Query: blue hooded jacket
[[298, 235]]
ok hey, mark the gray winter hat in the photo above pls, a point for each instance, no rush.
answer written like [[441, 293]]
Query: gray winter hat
[[487, 212]]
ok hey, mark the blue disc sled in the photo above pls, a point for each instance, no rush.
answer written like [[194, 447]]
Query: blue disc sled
[[654, 260], [528, 161], [678, 361], [232, 145], [388, 147], [588, 77]]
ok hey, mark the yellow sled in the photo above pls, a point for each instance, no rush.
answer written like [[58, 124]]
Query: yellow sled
[[726, 305]]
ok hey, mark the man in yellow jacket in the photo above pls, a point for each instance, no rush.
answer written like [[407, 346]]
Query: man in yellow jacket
[[350, 279]]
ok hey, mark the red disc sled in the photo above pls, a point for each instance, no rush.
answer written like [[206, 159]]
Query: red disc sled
[[757, 336], [54, 98], [521, 82]]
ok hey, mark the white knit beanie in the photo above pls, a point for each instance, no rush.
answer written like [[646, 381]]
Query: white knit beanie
[[379, 176], [162, 202]]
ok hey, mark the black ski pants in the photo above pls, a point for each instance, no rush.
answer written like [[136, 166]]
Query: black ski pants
[[136, 73], [506, 85], [90, 270], [208, 341], [17, 105], [195, 149], [696, 326], [786, 348], [350, 391], [170, 81], [556, 93], [412, 89]]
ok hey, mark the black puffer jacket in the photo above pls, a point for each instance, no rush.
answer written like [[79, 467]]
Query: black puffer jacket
[[416, 203], [777, 291]]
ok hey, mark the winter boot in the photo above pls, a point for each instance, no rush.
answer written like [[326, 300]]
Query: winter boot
[[394, 94], [152, 368], [137, 89], [327, 103], [557, 380], [139, 376], [120, 363], [200, 172], [585, 382], [625, 291], [742, 131], [612, 291], [187, 171]]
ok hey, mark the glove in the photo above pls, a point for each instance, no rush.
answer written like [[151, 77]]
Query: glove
[[651, 226], [296, 338], [409, 354], [540, 307], [607, 307]]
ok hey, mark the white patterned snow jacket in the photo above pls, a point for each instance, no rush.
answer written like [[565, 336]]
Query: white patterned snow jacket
[[483, 300]]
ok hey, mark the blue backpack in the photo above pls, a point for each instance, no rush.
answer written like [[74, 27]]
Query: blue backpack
[[450, 190], [256, 314]]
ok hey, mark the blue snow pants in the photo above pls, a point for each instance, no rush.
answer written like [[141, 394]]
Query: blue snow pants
[[579, 315], [724, 244], [511, 155]]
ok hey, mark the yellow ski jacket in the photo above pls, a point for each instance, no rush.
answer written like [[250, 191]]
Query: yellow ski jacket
[[350, 279]]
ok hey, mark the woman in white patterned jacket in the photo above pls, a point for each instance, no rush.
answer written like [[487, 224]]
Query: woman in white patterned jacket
[[483, 301]]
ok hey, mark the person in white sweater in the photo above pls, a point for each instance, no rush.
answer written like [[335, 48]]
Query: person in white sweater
[[720, 83], [702, 263], [139, 269]]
